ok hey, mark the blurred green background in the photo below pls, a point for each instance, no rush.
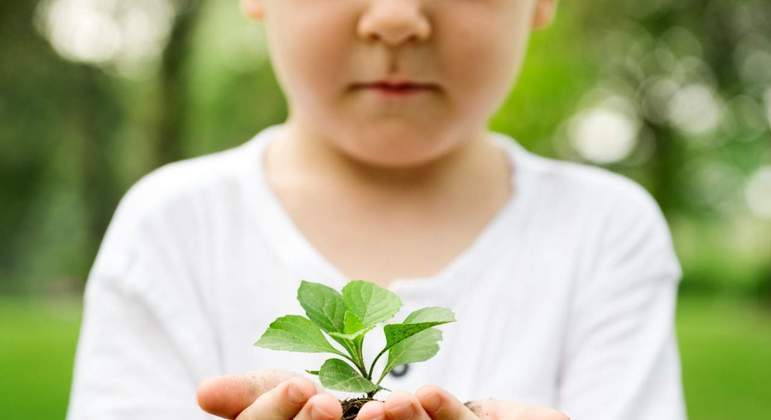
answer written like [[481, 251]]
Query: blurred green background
[[675, 94]]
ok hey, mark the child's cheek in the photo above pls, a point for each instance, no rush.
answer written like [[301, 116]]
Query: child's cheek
[[481, 54], [310, 49]]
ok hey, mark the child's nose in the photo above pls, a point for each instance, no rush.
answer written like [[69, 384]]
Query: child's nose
[[394, 21]]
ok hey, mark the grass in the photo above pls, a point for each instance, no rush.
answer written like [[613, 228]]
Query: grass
[[37, 347], [725, 347]]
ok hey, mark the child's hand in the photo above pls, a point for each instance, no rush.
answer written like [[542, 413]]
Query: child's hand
[[264, 395], [443, 406], [267, 395], [433, 403]]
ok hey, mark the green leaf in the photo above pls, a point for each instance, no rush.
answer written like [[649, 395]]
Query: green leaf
[[416, 322], [312, 372], [336, 374], [370, 302], [295, 333], [348, 337], [353, 328], [430, 314], [417, 348], [352, 323], [323, 305]]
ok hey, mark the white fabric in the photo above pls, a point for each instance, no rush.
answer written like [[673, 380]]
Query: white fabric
[[565, 300]]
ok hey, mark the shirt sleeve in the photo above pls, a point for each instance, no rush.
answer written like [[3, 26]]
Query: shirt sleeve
[[621, 359], [144, 342]]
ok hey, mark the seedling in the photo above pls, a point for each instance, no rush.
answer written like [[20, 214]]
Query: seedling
[[347, 318]]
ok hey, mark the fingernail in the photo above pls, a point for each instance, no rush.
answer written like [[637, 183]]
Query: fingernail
[[371, 411], [432, 402], [403, 410], [378, 416], [319, 413], [295, 394]]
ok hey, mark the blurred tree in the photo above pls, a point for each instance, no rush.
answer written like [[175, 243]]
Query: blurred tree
[[683, 82], [174, 83], [683, 62], [696, 72], [49, 110]]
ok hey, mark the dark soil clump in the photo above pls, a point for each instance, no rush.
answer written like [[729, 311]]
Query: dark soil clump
[[352, 406]]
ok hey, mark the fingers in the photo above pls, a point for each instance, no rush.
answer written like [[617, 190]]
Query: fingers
[[321, 407], [372, 410], [542, 413], [282, 402], [433, 403], [227, 396], [441, 405], [399, 406], [488, 409]]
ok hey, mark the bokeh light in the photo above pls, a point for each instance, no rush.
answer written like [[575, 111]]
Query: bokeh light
[[695, 110], [758, 193], [603, 135], [124, 34]]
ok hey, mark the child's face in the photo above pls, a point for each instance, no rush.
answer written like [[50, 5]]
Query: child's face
[[470, 52]]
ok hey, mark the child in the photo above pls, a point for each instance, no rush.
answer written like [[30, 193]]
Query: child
[[562, 276]]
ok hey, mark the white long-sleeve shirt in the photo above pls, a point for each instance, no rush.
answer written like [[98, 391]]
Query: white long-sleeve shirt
[[566, 299]]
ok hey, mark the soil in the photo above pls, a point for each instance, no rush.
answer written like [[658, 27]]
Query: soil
[[352, 406]]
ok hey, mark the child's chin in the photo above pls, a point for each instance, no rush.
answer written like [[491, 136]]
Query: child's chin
[[394, 156]]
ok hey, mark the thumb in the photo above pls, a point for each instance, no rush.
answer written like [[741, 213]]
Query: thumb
[[227, 396], [441, 405]]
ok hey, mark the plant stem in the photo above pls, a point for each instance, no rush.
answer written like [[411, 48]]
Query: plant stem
[[341, 354], [355, 356], [372, 368], [359, 346], [356, 363]]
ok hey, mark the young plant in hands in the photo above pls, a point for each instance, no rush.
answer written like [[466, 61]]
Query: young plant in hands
[[346, 318]]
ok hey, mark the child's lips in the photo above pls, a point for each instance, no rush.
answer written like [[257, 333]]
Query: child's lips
[[397, 88]]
